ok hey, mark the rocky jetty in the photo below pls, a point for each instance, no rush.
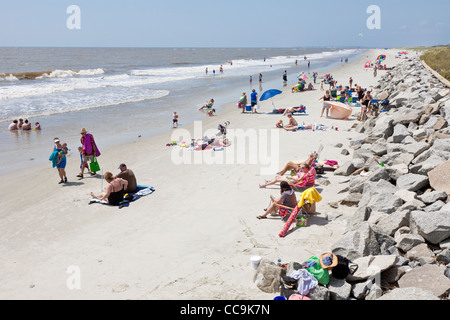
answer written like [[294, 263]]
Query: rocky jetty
[[398, 181]]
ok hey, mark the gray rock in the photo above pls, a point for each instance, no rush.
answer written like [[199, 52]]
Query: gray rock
[[406, 195], [359, 290], [433, 226], [369, 266], [339, 289], [418, 252], [412, 182], [385, 202], [400, 133], [407, 241], [428, 277], [434, 206], [319, 293], [410, 293], [397, 170], [440, 177], [352, 199], [357, 243], [346, 169], [392, 274], [392, 222], [267, 277], [406, 116]]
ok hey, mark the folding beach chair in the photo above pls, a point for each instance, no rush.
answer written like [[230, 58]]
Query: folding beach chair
[[305, 207]]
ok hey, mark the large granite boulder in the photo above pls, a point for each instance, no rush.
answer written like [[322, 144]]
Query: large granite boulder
[[440, 177], [429, 277], [433, 226]]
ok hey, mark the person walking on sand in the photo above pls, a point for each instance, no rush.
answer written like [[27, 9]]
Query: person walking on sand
[[254, 100], [90, 150], [260, 77], [175, 120], [243, 102], [350, 82], [60, 152]]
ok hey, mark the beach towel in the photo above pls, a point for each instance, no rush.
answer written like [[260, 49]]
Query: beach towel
[[311, 195], [54, 158], [306, 281], [87, 145], [308, 180], [141, 191]]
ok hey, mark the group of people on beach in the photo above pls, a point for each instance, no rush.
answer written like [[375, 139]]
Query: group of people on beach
[[118, 185], [23, 125]]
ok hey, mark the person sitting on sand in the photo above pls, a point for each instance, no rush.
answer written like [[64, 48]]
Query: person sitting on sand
[[310, 86], [207, 105], [303, 178], [114, 191], [292, 125], [296, 167], [128, 175], [14, 126], [279, 124], [287, 199]]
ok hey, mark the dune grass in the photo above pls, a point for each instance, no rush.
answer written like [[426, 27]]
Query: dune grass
[[439, 60]]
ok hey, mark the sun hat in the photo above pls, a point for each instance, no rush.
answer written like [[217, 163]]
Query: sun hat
[[56, 140], [83, 130], [328, 260]]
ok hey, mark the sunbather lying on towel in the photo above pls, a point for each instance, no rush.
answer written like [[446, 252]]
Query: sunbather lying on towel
[[287, 199], [306, 177], [296, 167], [300, 109]]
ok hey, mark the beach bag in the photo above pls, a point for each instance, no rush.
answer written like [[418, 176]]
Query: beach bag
[[317, 271], [344, 268], [94, 166]]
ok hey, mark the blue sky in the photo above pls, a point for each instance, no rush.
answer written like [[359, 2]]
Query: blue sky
[[230, 23]]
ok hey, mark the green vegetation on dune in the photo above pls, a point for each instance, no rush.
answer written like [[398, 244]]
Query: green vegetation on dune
[[439, 60]]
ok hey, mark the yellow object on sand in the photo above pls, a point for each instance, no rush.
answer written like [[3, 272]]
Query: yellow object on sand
[[311, 195]]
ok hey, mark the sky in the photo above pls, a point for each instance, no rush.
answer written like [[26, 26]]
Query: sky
[[230, 23]]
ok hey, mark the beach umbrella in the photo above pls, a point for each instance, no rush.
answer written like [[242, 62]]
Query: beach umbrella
[[269, 94], [381, 57], [367, 65], [304, 77]]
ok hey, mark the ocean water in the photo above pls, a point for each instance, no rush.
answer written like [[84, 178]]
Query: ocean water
[[120, 93]]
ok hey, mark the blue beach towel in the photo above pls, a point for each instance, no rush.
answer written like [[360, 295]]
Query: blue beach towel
[[54, 158], [141, 191]]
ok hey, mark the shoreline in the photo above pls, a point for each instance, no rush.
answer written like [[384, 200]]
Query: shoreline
[[201, 221]]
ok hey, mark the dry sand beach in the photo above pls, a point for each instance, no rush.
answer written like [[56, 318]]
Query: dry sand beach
[[192, 238]]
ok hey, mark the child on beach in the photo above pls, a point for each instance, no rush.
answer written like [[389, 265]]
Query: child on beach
[[175, 119], [62, 154], [80, 150], [37, 126]]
